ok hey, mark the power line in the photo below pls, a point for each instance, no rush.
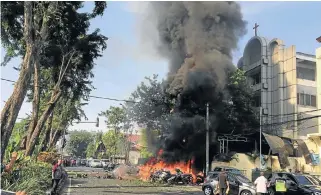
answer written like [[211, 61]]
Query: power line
[[97, 97]]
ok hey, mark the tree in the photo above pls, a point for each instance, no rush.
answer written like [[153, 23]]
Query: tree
[[150, 107], [115, 143], [143, 142], [116, 118], [78, 142], [239, 117], [51, 40]]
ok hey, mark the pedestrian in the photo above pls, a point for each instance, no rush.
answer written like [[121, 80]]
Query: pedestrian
[[56, 175], [261, 184], [223, 184]]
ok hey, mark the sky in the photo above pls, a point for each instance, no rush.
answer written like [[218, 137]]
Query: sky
[[125, 62]]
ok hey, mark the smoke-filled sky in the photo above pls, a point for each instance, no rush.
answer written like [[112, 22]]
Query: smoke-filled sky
[[128, 60]]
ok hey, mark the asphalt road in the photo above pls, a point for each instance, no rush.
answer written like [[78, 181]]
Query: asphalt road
[[95, 186], [125, 187], [84, 169]]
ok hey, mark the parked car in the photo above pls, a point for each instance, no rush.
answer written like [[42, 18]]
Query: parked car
[[238, 184], [228, 169], [105, 162], [88, 163], [95, 163], [296, 184], [83, 162]]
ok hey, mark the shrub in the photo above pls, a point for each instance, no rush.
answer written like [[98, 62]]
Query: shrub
[[34, 177]]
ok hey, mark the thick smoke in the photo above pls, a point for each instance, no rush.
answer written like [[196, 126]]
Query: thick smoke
[[198, 39], [197, 36]]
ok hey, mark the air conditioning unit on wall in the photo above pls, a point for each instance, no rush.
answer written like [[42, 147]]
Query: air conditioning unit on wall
[[265, 60], [265, 86], [265, 111]]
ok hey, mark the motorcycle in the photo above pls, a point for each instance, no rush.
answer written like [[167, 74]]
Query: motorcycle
[[160, 176], [180, 178]]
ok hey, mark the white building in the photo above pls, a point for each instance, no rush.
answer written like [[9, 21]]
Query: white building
[[287, 84]]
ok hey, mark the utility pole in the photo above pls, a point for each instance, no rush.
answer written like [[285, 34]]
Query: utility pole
[[207, 140], [260, 138]]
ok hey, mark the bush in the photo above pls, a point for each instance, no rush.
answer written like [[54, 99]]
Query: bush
[[34, 177]]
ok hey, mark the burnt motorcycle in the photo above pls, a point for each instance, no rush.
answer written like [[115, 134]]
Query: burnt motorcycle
[[180, 178], [160, 176]]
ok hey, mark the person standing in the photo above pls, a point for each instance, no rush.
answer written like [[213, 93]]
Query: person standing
[[261, 184], [223, 184], [56, 175]]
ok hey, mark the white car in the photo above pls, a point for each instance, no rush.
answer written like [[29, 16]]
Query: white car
[[95, 163], [104, 162]]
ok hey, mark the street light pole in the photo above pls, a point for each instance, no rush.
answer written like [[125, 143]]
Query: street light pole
[[207, 140], [260, 138]]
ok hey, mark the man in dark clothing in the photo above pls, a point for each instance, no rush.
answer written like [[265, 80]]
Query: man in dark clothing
[[223, 182]]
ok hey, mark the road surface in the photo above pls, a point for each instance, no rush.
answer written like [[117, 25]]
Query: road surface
[[96, 186], [83, 169]]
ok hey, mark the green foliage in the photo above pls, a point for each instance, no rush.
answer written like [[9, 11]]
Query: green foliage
[[115, 143], [16, 137], [91, 150], [116, 118], [144, 152], [78, 142], [154, 104], [240, 116], [35, 178], [67, 51]]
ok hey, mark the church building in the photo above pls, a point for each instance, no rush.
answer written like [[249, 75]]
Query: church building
[[287, 85]]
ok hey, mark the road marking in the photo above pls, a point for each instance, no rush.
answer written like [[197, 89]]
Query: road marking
[[69, 188]]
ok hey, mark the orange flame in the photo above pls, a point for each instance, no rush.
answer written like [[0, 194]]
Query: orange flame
[[156, 164]]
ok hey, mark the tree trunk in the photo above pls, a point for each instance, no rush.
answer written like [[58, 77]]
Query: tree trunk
[[35, 102], [46, 139], [12, 107], [54, 139], [42, 120]]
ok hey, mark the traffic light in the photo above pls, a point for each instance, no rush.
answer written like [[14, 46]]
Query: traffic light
[[97, 122]]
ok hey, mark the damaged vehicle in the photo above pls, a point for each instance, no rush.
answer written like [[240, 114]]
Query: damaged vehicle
[[180, 178], [238, 184], [160, 176]]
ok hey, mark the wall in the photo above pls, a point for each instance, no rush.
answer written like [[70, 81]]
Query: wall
[[318, 76]]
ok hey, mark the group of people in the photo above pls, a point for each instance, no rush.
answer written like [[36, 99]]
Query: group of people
[[222, 187]]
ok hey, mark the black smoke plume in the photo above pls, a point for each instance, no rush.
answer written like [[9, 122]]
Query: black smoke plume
[[198, 39]]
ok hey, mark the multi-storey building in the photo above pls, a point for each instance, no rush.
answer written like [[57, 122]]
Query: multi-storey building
[[287, 86]]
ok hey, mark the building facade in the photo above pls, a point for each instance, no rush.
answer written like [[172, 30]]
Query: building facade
[[287, 86]]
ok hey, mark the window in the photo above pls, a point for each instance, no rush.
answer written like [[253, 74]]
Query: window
[[305, 73], [213, 176], [256, 78], [303, 180], [306, 100], [257, 100], [313, 101]]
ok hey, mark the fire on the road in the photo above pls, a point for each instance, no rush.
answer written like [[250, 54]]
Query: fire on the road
[[155, 164]]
